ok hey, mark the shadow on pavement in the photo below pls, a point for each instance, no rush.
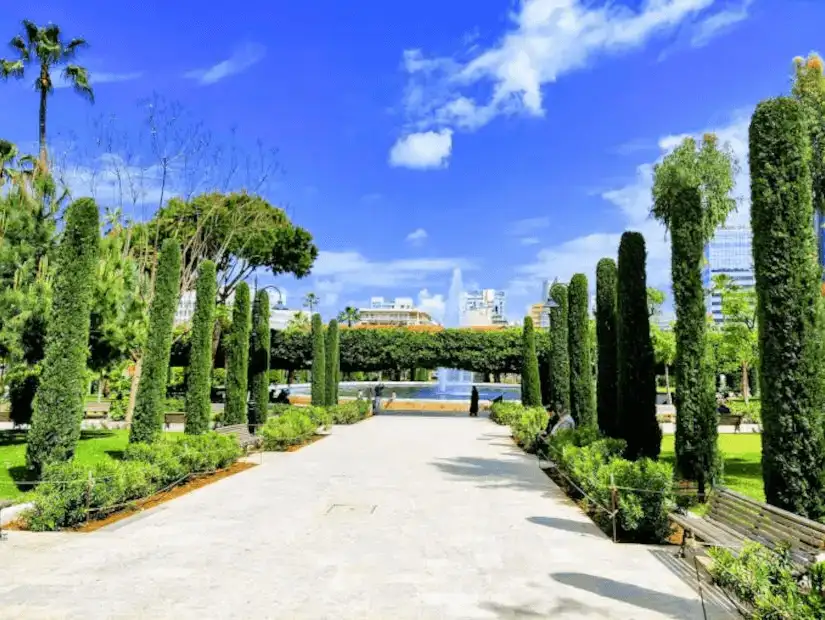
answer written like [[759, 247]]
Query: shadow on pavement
[[565, 608], [586, 528], [666, 604], [494, 473]]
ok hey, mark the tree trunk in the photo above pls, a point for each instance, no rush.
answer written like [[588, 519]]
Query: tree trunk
[[745, 387], [43, 94], [667, 386], [290, 376], [133, 388]]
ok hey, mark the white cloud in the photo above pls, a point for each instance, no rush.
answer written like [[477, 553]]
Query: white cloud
[[101, 77], [634, 200], [242, 58], [417, 237], [719, 23], [429, 149], [530, 240], [432, 304], [546, 39], [520, 228]]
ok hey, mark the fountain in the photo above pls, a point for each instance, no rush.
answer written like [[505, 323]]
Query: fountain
[[452, 380]]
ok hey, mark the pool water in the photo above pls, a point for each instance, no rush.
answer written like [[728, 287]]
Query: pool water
[[427, 392]]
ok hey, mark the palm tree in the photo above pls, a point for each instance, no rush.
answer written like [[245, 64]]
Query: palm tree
[[349, 315], [45, 48], [14, 168], [310, 301]]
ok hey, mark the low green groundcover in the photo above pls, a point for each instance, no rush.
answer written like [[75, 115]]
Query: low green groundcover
[[291, 425]]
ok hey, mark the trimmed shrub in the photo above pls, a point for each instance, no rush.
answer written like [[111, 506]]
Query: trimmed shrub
[[320, 416], [505, 412], [22, 382], [68, 488], [559, 361], [582, 401], [59, 402], [198, 401], [259, 361], [350, 412], [293, 427], [237, 359], [696, 418], [319, 362], [606, 314], [333, 364], [789, 309], [530, 386], [527, 426], [147, 421], [636, 362]]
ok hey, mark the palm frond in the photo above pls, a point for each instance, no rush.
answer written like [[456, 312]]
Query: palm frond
[[8, 152], [11, 68], [73, 46], [32, 31], [78, 77], [19, 46], [51, 33]]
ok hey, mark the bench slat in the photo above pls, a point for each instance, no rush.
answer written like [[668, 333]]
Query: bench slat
[[802, 521]]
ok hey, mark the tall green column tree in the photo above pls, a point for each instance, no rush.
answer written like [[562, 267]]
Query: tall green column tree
[[530, 386], [147, 424], [199, 379], [789, 308], [636, 364], [259, 361], [559, 361], [607, 373], [237, 359], [59, 401], [319, 362], [582, 401], [333, 364], [696, 419]]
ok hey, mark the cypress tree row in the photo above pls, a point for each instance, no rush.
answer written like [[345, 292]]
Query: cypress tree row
[[59, 401], [333, 363], [319, 377], [559, 374], [607, 409], [147, 423], [199, 379], [530, 387], [259, 361], [582, 402], [237, 359], [696, 418], [636, 363], [789, 305]]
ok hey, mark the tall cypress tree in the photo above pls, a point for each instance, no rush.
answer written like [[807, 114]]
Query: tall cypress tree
[[199, 379], [559, 374], [237, 359], [59, 401], [333, 365], [636, 362], [530, 387], [789, 308], [582, 401], [319, 362], [147, 424], [259, 361], [606, 313], [696, 419]]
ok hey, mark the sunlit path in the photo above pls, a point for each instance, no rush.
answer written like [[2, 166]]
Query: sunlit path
[[401, 516]]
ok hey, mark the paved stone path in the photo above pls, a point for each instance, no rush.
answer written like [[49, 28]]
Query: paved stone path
[[400, 517]]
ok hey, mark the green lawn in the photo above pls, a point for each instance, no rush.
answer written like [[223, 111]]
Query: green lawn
[[95, 445], [743, 462]]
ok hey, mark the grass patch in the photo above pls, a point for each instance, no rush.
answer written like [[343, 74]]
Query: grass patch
[[94, 446], [743, 462]]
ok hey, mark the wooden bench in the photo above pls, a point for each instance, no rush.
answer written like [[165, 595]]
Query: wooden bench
[[730, 419], [174, 417], [733, 520], [246, 439]]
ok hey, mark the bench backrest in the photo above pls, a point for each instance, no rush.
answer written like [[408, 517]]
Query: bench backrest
[[767, 524], [241, 430]]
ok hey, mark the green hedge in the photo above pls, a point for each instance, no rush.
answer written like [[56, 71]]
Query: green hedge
[[291, 428], [259, 360], [68, 489], [559, 361], [582, 398], [525, 422], [237, 359], [333, 364], [530, 383], [606, 313], [505, 412], [319, 362], [350, 412], [199, 379]]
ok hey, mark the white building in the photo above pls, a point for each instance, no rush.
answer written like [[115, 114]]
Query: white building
[[279, 314], [728, 253], [280, 317], [399, 311], [484, 307]]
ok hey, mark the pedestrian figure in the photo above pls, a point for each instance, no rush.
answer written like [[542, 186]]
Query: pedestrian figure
[[474, 402], [376, 403]]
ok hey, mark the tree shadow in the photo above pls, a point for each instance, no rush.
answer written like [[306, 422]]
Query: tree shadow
[[116, 454], [495, 473], [564, 608], [742, 468], [13, 437], [666, 604], [22, 476], [585, 528], [96, 433]]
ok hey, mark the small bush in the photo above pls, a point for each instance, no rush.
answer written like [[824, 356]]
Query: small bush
[[506, 413], [349, 412], [528, 425], [161, 454], [207, 452], [291, 428], [320, 416]]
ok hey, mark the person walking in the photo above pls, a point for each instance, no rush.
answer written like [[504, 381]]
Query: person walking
[[474, 402], [376, 402]]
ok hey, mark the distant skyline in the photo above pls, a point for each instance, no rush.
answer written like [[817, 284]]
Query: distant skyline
[[513, 139]]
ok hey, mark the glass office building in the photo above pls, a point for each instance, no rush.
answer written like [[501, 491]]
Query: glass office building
[[728, 253]]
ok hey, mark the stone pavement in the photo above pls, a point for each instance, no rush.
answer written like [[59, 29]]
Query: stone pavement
[[404, 516]]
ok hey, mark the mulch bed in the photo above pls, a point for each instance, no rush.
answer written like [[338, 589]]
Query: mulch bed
[[309, 441]]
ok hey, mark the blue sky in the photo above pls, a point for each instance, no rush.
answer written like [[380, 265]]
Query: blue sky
[[513, 139]]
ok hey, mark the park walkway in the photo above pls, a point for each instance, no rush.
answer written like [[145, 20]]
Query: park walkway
[[399, 517]]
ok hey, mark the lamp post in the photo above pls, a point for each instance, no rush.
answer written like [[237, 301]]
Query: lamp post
[[280, 304]]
